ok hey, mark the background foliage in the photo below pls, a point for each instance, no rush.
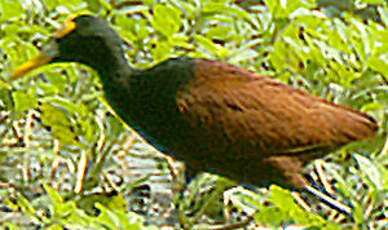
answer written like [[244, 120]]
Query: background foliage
[[67, 162]]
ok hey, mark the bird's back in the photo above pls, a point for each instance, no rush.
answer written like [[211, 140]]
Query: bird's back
[[259, 111]]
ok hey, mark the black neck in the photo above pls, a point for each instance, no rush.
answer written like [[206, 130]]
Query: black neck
[[112, 66]]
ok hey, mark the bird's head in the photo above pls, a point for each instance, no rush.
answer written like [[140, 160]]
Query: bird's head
[[84, 39]]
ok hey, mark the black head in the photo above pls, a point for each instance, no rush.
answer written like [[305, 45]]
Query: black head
[[92, 42], [85, 39]]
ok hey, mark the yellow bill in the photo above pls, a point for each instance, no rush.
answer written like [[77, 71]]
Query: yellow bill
[[34, 63], [49, 52]]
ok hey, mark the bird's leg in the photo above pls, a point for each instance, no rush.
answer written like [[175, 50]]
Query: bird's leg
[[331, 202]]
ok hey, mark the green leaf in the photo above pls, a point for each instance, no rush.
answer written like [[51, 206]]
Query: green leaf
[[6, 99], [94, 5], [118, 203], [271, 215], [369, 169], [161, 50], [55, 227], [166, 20], [181, 41], [57, 80], [373, 2], [383, 12], [216, 49], [17, 50], [219, 32], [54, 196], [114, 127], [373, 106], [284, 201], [133, 29], [71, 123], [26, 205], [211, 7], [379, 64], [65, 5], [284, 8], [10, 10], [60, 121], [23, 101]]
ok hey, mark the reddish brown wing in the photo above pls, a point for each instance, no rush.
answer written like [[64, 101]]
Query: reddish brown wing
[[253, 111]]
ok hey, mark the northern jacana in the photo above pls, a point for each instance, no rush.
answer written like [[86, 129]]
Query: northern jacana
[[213, 116]]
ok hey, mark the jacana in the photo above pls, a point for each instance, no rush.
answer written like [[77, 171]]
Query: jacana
[[213, 116]]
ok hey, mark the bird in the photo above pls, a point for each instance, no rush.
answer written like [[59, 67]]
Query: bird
[[214, 116]]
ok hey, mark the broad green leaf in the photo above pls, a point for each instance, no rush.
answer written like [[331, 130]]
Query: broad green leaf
[[369, 168], [114, 127], [211, 46], [65, 5], [216, 7], [95, 5], [271, 215], [373, 2], [166, 20], [220, 32], [135, 30], [17, 50], [6, 99], [161, 50], [284, 8], [23, 101], [10, 10], [55, 197], [379, 64], [60, 121]]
